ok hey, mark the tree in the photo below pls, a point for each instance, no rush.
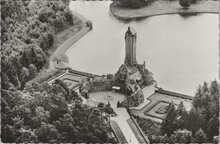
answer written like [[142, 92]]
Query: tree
[[131, 3], [65, 87], [169, 123], [45, 13], [213, 128], [26, 136], [69, 16], [32, 71], [182, 116], [47, 132], [23, 112], [195, 120], [8, 134], [24, 74], [193, 1], [200, 136], [183, 136], [41, 116], [66, 2], [184, 3], [197, 101], [136, 3], [5, 83], [181, 109]]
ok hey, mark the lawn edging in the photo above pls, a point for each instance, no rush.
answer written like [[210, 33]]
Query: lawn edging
[[142, 133], [113, 125]]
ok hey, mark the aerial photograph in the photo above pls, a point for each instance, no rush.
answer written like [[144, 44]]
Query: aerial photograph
[[110, 71]]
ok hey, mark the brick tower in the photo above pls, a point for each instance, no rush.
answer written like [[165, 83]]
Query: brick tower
[[130, 44]]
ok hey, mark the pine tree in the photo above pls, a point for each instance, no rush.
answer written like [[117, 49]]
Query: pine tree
[[213, 128], [169, 123], [200, 136]]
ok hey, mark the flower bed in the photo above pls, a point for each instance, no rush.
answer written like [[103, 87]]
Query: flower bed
[[162, 109]]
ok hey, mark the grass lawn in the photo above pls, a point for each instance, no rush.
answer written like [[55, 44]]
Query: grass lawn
[[135, 130], [118, 132]]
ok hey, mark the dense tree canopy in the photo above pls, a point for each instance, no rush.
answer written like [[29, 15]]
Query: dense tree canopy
[[28, 29], [203, 118], [131, 3], [41, 114], [34, 113]]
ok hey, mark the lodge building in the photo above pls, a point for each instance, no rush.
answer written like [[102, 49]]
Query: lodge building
[[129, 79]]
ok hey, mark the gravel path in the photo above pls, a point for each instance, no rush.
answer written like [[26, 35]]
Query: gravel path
[[59, 52]]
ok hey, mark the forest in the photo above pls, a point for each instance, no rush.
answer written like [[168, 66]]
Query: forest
[[33, 112], [51, 114], [28, 29]]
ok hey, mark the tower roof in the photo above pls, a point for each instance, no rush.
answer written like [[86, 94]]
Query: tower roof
[[131, 31]]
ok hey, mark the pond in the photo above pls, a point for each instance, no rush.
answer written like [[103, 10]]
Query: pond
[[181, 51]]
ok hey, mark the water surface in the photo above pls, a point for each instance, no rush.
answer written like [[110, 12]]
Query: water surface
[[182, 52]]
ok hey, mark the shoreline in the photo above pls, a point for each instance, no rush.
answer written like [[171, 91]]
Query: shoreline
[[162, 7], [57, 52], [60, 50]]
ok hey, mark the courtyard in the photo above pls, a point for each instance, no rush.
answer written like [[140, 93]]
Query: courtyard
[[122, 123], [107, 96]]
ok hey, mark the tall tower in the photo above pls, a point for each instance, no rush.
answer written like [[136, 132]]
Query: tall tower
[[130, 44]]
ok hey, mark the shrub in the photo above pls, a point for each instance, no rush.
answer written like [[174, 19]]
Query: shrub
[[184, 3]]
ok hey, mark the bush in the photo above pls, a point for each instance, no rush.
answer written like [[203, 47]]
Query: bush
[[131, 3], [148, 126], [89, 24], [184, 3], [193, 1]]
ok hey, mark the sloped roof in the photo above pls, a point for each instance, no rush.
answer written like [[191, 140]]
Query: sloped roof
[[99, 79], [131, 31], [123, 69]]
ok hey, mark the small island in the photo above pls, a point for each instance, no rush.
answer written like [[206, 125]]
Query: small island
[[154, 8]]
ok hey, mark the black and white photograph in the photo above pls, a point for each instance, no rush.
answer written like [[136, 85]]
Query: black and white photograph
[[110, 71]]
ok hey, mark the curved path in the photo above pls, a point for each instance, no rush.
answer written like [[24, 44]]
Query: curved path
[[163, 7], [64, 46]]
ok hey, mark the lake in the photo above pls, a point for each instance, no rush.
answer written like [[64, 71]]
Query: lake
[[181, 51]]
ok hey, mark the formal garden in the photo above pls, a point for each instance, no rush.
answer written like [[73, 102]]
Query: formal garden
[[185, 126]]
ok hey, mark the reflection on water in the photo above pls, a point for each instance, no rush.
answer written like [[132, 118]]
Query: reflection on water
[[182, 52]]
